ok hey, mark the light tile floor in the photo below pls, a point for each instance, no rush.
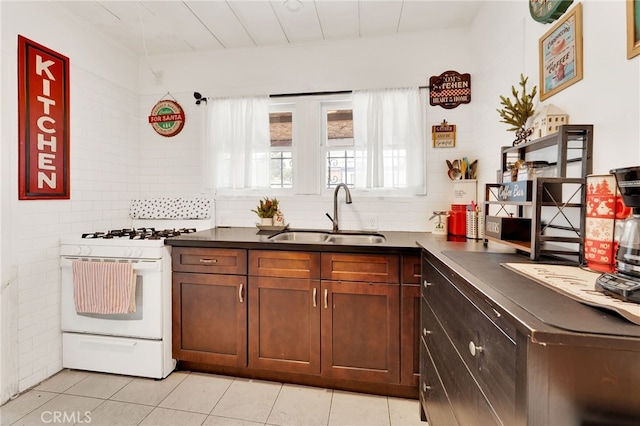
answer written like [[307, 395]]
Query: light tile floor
[[186, 398]]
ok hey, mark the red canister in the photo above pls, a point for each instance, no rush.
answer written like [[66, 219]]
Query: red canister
[[457, 220]]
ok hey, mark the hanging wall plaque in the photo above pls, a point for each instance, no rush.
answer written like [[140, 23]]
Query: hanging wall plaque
[[43, 122], [444, 135], [450, 89], [167, 117]]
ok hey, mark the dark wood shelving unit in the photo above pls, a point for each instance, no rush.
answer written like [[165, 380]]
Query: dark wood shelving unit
[[555, 205]]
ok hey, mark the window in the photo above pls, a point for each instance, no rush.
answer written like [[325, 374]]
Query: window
[[281, 134], [371, 141], [338, 139]]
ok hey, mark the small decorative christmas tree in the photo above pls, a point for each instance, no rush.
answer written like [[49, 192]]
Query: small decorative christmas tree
[[518, 111]]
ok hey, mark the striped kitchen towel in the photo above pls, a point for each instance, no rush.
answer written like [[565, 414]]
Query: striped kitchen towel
[[104, 287]]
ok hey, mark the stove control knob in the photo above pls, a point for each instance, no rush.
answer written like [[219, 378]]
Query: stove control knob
[[132, 252]]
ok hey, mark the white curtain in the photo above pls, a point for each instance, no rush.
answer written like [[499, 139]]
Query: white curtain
[[237, 143], [388, 140]]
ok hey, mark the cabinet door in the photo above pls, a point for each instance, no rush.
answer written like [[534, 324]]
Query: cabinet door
[[360, 331], [210, 318], [284, 324], [410, 335], [410, 320]]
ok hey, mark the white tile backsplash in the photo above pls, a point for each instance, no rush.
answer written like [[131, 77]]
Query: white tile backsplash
[[306, 211]]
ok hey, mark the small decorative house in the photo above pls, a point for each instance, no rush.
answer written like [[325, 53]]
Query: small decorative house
[[548, 120]]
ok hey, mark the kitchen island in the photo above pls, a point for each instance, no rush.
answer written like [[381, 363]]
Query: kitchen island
[[492, 346]]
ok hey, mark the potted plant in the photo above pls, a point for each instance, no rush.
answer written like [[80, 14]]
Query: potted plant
[[517, 112], [266, 210]]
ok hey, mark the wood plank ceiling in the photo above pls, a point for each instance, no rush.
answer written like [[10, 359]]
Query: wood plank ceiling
[[166, 27]]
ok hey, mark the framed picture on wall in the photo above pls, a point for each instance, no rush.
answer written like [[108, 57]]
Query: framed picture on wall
[[633, 28], [560, 51]]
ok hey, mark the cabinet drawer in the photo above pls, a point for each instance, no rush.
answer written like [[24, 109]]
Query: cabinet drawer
[[467, 399], [433, 275], [432, 394], [487, 351], [209, 260], [286, 264], [360, 267], [411, 269]]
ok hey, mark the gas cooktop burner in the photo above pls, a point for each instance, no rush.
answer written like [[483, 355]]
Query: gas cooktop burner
[[139, 233]]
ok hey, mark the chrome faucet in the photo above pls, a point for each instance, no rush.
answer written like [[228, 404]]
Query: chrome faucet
[[334, 219]]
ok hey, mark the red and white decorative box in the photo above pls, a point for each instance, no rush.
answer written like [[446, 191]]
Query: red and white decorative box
[[604, 212]]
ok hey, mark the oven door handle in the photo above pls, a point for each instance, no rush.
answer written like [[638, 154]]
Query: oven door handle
[[140, 265]]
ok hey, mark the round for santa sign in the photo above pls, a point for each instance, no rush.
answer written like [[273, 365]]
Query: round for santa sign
[[167, 118]]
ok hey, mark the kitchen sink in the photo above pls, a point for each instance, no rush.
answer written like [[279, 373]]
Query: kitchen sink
[[356, 239], [310, 236], [301, 236]]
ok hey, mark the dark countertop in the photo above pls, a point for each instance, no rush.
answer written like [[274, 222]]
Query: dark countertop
[[536, 309], [546, 314], [252, 238]]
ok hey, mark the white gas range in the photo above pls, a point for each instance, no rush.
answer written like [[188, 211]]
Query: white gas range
[[136, 343]]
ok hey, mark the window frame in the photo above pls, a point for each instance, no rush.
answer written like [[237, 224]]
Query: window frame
[[310, 147]]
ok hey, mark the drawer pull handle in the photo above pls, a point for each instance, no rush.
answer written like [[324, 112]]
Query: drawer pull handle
[[427, 283], [425, 331], [241, 293], [315, 295], [208, 261], [498, 315], [326, 298], [425, 387], [473, 349]]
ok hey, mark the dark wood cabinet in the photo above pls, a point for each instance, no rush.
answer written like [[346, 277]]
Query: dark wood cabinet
[[360, 321], [410, 335], [542, 213], [209, 309], [486, 359], [410, 321], [284, 311], [473, 357], [331, 319], [360, 331]]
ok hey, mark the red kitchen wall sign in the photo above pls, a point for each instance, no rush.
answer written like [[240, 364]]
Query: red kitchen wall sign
[[43, 122]]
